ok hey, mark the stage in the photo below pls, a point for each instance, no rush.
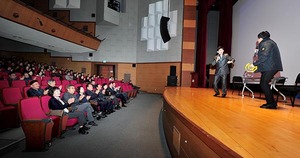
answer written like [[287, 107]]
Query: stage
[[198, 124]]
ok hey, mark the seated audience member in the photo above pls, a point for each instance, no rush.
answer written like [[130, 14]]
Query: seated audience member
[[83, 98], [133, 86], [113, 91], [52, 84], [85, 107], [102, 99], [12, 77], [120, 94], [108, 94], [101, 106], [35, 89], [55, 103], [26, 77], [68, 76]]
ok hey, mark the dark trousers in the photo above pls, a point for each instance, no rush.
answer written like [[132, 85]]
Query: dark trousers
[[265, 79], [224, 82]]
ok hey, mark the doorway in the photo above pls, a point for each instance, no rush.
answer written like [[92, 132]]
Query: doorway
[[106, 70]]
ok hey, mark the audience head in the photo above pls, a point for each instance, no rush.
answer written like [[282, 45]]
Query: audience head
[[71, 88], [89, 86], [98, 86], [34, 84], [55, 92], [80, 89], [104, 85], [12, 76], [51, 83]]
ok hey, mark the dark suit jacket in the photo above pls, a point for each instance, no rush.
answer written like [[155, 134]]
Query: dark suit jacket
[[221, 65], [35, 93], [55, 104]]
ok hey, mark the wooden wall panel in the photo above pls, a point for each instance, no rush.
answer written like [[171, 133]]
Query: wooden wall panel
[[188, 42], [189, 34], [188, 56], [152, 77], [128, 69], [189, 13]]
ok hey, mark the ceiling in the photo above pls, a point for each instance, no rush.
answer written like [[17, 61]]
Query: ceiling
[[17, 32]]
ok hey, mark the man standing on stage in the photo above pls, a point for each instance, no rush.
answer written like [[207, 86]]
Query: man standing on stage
[[222, 70], [269, 63]]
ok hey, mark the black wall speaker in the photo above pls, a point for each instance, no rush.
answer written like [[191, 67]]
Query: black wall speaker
[[164, 32], [172, 81], [90, 54], [172, 70]]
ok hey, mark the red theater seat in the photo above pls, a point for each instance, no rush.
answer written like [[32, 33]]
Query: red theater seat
[[36, 125]]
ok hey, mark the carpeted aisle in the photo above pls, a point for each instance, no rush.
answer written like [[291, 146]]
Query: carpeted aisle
[[132, 132]]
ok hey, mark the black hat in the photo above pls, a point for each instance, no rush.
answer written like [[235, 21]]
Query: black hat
[[263, 35], [32, 82]]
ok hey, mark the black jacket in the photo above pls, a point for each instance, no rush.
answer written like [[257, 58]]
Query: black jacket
[[268, 56]]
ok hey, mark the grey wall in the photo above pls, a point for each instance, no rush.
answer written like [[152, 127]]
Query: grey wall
[[175, 44], [87, 7], [122, 43], [280, 18]]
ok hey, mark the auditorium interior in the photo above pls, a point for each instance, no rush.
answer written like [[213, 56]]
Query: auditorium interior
[[159, 53]]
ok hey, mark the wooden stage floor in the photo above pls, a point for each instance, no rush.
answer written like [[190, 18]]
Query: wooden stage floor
[[239, 123]]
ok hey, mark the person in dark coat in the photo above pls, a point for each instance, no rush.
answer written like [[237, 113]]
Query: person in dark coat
[[56, 103], [221, 62], [35, 90], [268, 63]]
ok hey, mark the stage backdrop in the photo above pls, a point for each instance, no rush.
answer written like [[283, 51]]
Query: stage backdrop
[[280, 18]]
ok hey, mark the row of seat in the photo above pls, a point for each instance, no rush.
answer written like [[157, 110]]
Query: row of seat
[[39, 127]]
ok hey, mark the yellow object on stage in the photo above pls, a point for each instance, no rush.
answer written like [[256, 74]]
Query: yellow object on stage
[[250, 67]]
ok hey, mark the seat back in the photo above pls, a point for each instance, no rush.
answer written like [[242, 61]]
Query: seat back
[[30, 109], [11, 95], [19, 84], [237, 79], [25, 89], [73, 82], [44, 102], [4, 83]]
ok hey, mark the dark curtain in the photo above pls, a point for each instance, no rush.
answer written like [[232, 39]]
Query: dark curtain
[[225, 25], [225, 34], [200, 65]]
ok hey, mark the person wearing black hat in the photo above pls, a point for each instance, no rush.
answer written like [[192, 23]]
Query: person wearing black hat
[[221, 62], [268, 63]]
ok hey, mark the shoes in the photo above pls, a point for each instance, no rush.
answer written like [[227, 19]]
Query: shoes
[[93, 123], [86, 127], [82, 131], [216, 94], [269, 106], [264, 105], [98, 117], [223, 95], [124, 105]]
